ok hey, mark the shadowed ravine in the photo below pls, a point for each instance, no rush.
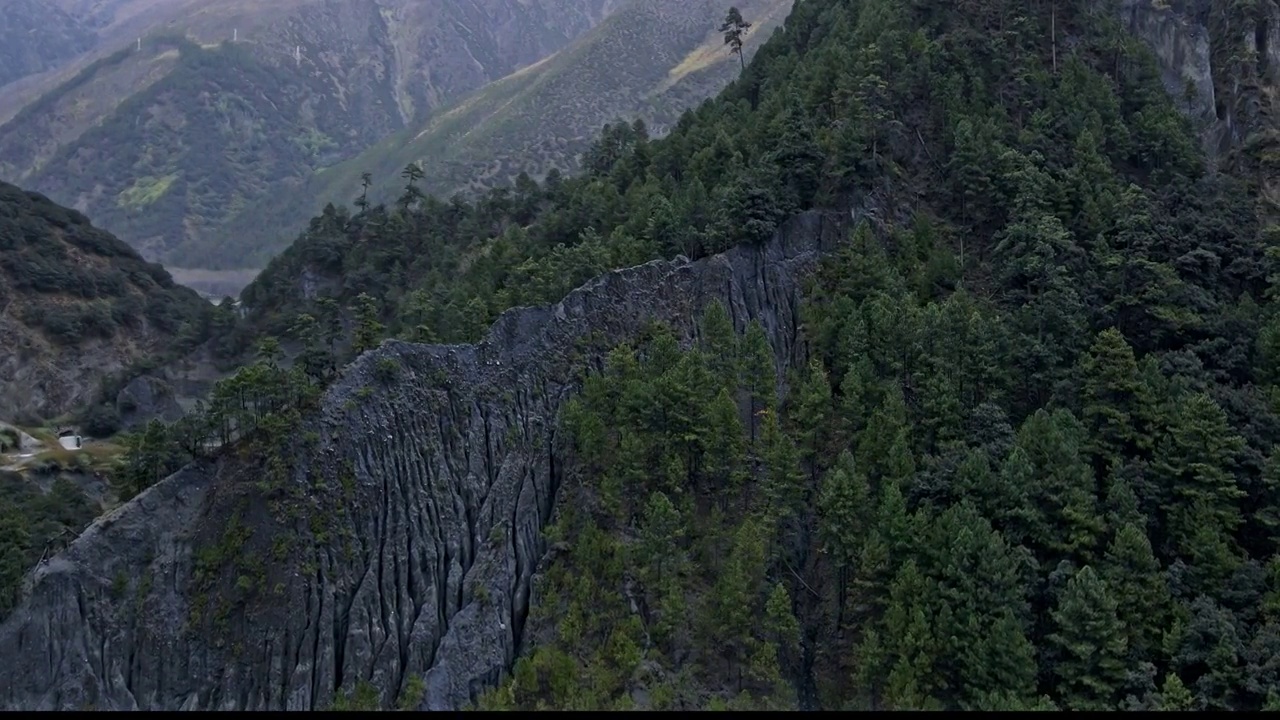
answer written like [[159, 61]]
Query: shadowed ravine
[[417, 504]]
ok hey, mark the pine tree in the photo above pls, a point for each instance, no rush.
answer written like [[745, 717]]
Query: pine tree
[[1122, 504], [662, 532], [857, 399], [721, 345], [845, 512], [1175, 696], [811, 413], [1193, 463], [1273, 701], [891, 539], [732, 603], [1091, 182], [969, 171], [1208, 646], [368, 330], [1211, 555], [362, 202], [734, 28], [884, 448], [1138, 586], [1116, 404], [784, 482], [416, 316], [999, 672], [748, 209], [941, 413], [725, 448], [330, 317], [412, 174], [1066, 495], [1000, 496], [980, 607], [1268, 514], [1090, 640], [270, 352], [782, 640], [759, 374], [911, 647], [15, 540], [312, 359]]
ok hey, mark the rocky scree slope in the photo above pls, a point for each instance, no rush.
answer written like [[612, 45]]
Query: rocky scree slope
[[402, 539]]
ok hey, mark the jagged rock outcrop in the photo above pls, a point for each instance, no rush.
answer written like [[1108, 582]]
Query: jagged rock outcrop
[[145, 398], [1219, 60], [401, 540]]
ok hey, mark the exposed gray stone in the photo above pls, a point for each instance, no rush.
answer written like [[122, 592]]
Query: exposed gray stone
[[145, 398], [455, 464], [1193, 48]]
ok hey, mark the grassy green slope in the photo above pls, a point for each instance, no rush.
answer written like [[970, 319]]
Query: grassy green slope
[[191, 149], [59, 117]]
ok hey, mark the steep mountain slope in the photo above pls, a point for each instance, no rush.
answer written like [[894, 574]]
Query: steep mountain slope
[[649, 61], [40, 513], [164, 143], [1009, 444], [99, 28], [35, 37], [76, 304]]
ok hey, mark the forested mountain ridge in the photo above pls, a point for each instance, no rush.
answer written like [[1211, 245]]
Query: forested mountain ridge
[[169, 137], [1023, 457], [76, 305]]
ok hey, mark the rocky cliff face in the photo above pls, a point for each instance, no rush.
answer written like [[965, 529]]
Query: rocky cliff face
[[39, 379], [397, 537], [1220, 59]]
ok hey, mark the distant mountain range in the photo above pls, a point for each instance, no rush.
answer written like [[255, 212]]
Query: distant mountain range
[[650, 60], [165, 137], [205, 132]]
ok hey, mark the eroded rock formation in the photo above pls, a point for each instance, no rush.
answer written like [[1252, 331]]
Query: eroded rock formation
[[399, 536]]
